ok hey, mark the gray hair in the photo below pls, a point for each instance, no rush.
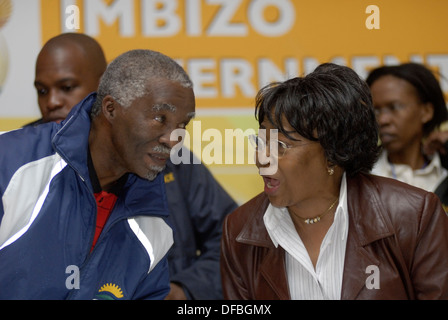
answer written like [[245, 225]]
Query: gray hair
[[126, 78]]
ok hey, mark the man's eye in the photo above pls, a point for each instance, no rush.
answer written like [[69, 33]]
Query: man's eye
[[41, 92], [182, 125], [160, 118], [67, 88]]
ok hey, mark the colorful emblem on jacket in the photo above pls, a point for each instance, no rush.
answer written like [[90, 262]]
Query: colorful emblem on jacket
[[169, 177], [109, 291]]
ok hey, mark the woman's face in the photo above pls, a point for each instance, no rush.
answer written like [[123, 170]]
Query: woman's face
[[399, 112], [300, 173]]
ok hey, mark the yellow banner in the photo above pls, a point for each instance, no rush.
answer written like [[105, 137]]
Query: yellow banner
[[233, 47]]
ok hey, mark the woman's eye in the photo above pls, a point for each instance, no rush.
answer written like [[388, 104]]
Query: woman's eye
[[396, 107], [282, 145]]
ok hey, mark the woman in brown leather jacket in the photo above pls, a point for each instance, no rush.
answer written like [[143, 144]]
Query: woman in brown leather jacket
[[324, 228]]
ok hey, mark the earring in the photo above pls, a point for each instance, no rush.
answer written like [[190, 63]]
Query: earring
[[330, 171]]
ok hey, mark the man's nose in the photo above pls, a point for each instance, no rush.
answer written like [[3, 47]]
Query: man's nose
[[166, 139], [55, 101]]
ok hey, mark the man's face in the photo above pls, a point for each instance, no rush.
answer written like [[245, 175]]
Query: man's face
[[141, 133], [63, 78]]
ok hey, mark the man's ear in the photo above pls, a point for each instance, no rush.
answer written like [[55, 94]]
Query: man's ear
[[108, 107]]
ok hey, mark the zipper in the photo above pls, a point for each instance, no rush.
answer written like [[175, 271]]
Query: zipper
[[73, 292], [109, 224]]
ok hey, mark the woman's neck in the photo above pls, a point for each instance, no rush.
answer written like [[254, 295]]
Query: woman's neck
[[412, 156]]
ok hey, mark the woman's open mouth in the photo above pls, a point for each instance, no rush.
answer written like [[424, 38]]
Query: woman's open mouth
[[270, 185]]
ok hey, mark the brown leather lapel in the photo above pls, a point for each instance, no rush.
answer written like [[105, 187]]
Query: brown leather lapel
[[367, 223], [357, 259], [275, 261], [272, 268]]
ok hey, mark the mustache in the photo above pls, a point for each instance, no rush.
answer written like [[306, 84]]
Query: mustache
[[155, 170], [161, 149]]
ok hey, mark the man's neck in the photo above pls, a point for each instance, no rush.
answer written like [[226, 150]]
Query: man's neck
[[104, 160]]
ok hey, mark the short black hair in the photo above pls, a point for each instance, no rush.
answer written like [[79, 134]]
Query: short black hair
[[425, 83], [331, 105]]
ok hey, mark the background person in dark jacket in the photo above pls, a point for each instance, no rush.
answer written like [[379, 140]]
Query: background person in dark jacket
[[68, 68], [198, 206]]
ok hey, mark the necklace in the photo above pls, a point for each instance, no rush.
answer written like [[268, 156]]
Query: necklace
[[317, 219]]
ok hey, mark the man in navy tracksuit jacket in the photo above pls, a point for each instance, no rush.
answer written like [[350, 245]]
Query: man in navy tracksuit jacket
[[197, 202], [48, 220], [198, 205], [48, 211]]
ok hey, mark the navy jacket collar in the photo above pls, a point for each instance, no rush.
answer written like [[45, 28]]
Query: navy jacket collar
[[71, 140]]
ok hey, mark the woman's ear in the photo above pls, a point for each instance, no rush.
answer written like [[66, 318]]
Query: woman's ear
[[330, 168], [427, 112]]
